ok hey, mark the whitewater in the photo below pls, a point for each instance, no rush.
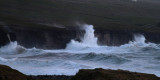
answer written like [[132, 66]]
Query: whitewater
[[136, 55]]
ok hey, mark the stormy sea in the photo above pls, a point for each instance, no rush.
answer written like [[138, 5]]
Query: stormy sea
[[136, 55]]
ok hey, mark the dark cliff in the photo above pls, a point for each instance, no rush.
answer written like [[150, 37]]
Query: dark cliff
[[49, 24], [57, 38]]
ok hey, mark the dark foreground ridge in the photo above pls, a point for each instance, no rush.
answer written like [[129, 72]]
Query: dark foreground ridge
[[7, 73], [102, 74], [50, 77]]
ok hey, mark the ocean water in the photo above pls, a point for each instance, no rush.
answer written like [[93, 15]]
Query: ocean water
[[136, 55]]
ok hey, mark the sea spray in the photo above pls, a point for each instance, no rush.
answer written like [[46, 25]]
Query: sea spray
[[12, 48], [9, 38], [89, 39], [137, 55], [139, 39]]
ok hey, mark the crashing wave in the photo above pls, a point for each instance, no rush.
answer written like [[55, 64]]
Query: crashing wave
[[12, 48]]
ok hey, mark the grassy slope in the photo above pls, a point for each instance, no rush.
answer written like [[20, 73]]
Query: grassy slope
[[105, 14]]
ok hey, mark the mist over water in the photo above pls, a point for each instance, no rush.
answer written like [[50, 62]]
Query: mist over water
[[136, 55]]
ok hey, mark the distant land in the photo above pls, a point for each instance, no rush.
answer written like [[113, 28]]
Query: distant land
[[142, 15], [48, 22]]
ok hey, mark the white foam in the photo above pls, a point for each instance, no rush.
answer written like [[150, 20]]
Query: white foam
[[89, 39], [60, 65], [11, 48], [89, 44], [6, 60], [3, 59], [139, 43]]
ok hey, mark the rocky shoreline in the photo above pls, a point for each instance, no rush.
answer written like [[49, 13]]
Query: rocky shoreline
[[7, 73]]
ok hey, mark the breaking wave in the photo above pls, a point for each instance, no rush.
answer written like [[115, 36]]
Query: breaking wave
[[142, 56]]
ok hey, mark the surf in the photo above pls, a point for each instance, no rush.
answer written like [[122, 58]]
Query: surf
[[142, 56]]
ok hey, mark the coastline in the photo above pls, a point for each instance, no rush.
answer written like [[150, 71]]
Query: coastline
[[7, 73]]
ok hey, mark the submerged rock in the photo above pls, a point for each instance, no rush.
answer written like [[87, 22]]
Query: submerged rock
[[102, 74]]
